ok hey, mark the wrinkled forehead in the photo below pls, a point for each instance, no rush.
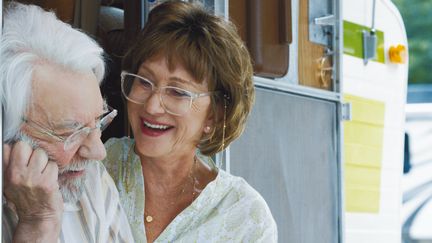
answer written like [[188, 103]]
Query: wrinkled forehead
[[60, 95]]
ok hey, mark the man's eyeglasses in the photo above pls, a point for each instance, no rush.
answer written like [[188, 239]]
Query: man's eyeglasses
[[174, 100], [78, 136]]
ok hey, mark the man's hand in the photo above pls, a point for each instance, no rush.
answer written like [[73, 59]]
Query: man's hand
[[30, 183]]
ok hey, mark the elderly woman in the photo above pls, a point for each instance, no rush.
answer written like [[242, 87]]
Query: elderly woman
[[188, 86]]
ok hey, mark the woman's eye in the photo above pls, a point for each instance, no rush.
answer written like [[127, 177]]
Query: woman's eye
[[177, 92], [145, 84]]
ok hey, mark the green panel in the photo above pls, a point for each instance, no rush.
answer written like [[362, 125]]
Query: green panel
[[353, 41]]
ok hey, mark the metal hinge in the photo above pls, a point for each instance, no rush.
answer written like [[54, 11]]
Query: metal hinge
[[346, 113], [321, 29], [369, 45]]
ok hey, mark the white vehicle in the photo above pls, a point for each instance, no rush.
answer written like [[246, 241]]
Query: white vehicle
[[328, 180], [324, 143], [416, 183]]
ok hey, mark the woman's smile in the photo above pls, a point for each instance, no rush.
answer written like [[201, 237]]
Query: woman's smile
[[154, 129]]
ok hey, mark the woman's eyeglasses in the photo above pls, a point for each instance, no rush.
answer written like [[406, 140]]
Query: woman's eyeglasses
[[174, 100]]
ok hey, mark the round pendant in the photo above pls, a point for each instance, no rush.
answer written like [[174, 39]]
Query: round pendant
[[149, 219]]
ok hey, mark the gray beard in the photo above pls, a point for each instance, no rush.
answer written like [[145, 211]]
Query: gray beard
[[70, 189]]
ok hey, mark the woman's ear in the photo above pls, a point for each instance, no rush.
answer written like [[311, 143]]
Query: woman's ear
[[209, 123], [207, 129], [213, 118]]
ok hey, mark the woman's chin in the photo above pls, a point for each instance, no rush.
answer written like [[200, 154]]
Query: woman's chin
[[151, 149]]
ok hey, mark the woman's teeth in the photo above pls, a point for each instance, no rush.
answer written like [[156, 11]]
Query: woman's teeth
[[153, 126]]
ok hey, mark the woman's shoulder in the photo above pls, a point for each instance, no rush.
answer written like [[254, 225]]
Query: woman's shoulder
[[241, 188], [245, 195], [117, 149], [117, 143], [246, 203]]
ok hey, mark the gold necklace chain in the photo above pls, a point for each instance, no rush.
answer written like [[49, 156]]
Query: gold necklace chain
[[149, 218]]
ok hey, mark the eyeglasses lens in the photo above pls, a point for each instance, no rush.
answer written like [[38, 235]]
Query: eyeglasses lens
[[175, 101], [80, 135]]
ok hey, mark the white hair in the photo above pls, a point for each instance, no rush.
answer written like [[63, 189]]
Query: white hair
[[32, 35]]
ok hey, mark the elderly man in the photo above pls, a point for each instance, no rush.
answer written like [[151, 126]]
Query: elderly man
[[55, 188]]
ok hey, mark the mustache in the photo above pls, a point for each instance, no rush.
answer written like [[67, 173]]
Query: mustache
[[75, 166]]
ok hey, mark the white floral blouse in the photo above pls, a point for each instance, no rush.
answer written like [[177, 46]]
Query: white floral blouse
[[227, 210]]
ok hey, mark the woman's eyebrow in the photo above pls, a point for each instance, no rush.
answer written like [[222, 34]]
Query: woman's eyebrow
[[184, 81], [144, 69], [180, 80]]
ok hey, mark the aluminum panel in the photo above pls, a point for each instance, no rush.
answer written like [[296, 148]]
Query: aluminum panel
[[288, 152]]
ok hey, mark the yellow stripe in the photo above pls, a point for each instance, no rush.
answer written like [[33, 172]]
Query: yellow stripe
[[363, 144]]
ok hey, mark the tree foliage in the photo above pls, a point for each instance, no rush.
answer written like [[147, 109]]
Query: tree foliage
[[417, 16]]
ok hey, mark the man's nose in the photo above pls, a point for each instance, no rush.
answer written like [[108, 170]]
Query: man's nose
[[92, 148]]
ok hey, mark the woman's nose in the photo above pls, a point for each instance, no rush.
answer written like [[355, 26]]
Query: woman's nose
[[154, 104]]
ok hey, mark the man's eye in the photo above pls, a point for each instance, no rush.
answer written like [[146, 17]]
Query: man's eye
[[68, 132], [65, 134]]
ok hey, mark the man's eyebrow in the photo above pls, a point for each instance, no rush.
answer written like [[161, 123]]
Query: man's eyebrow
[[73, 125], [67, 125], [105, 106]]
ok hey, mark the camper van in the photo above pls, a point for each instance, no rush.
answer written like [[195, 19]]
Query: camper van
[[324, 143]]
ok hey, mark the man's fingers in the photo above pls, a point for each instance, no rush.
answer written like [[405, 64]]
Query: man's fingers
[[20, 155], [38, 160], [51, 170], [50, 178], [6, 155]]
